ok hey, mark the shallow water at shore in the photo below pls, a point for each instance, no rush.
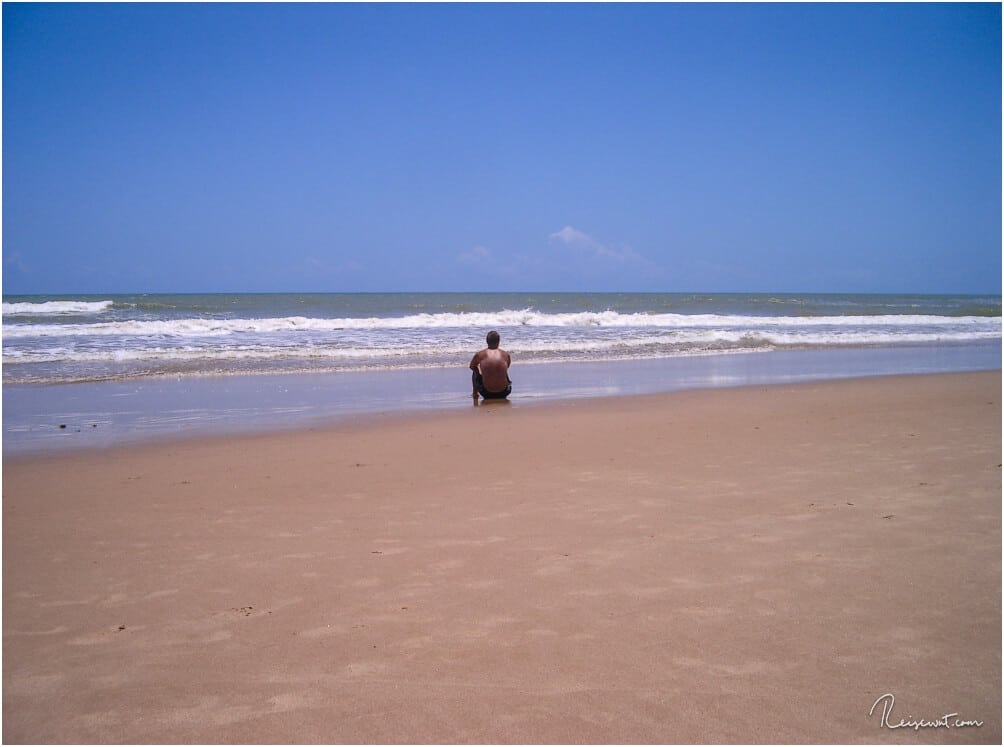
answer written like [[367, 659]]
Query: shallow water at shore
[[103, 414]]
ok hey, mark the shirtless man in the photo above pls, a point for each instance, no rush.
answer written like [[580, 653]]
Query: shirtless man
[[490, 369]]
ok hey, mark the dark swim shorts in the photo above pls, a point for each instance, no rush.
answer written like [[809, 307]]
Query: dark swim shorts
[[480, 386]]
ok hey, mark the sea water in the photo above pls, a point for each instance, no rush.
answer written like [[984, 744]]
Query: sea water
[[122, 365]]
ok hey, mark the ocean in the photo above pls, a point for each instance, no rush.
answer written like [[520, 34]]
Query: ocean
[[93, 350], [55, 339]]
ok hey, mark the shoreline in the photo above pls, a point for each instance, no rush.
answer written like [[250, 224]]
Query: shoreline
[[742, 564], [110, 414]]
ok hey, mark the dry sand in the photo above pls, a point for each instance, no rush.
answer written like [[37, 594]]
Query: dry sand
[[744, 565]]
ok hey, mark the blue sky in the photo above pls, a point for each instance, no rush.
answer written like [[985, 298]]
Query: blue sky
[[656, 147]]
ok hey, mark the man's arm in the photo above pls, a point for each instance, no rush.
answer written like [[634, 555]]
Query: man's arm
[[476, 360], [474, 378]]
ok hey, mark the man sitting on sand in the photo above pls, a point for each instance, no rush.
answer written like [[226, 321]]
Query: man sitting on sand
[[490, 369]]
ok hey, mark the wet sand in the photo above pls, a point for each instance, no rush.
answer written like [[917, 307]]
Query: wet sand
[[733, 565], [103, 414]]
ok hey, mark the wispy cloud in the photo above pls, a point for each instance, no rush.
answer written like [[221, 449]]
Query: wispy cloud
[[479, 255], [314, 264], [14, 261], [583, 242]]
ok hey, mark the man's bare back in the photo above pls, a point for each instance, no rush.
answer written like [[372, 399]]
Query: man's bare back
[[491, 369]]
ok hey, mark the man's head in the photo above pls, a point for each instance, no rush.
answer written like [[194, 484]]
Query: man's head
[[493, 339]]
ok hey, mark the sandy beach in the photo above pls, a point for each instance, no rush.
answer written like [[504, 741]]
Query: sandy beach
[[757, 564]]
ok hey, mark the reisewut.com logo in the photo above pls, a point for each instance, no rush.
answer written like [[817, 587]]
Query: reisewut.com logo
[[945, 721]]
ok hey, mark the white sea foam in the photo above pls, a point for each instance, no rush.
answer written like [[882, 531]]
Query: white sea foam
[[201, 327], [407, 352], [55, 307], [62, 340]]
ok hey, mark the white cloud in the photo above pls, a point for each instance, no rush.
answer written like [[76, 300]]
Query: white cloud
[[569, 235], [582, 241]]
